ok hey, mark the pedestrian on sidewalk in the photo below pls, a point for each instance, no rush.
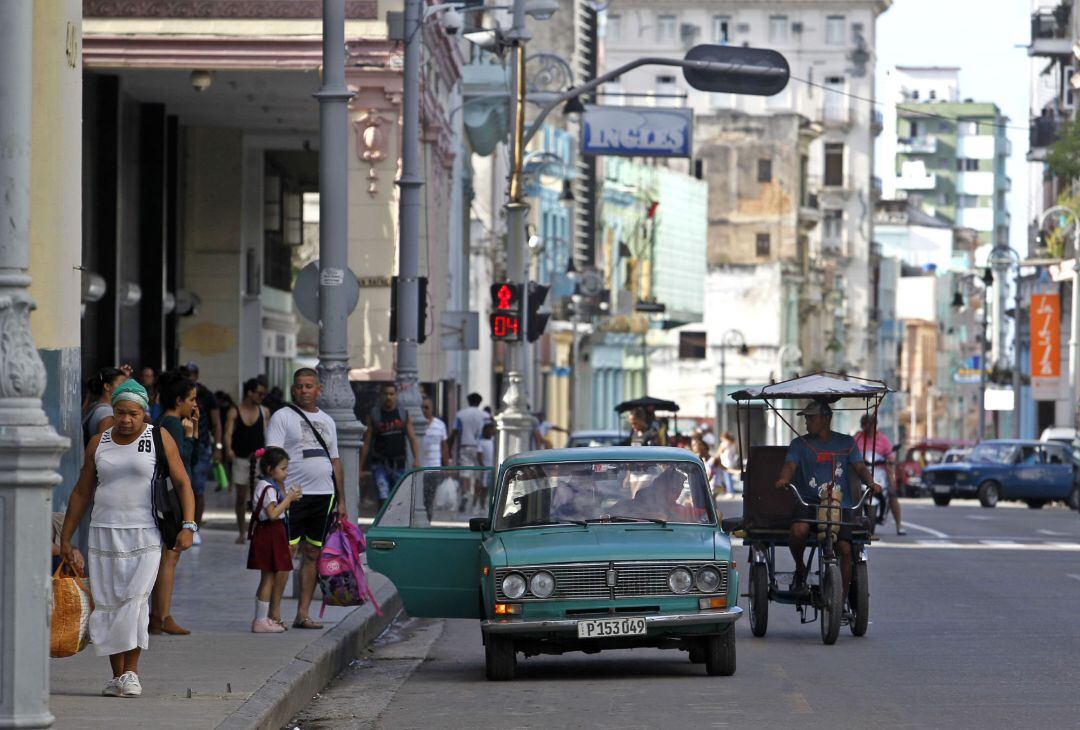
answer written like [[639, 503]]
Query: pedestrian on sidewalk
[[269, 551], [309, 436], [148, 376], [125, 543], [208, 449], [464, 442], [181, 421], [98, 413], [434, 448], [245, 433], [388, 427]]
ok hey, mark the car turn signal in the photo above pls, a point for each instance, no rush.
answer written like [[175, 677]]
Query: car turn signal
[[507, 609], [706, 603]]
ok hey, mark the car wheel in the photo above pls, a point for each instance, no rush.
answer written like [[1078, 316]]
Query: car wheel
[[759, 599], [1074, 498], [832, 609], [500, 659], [859, 598], [989, 494], [1036, 503], [720, 654], [942, 500]]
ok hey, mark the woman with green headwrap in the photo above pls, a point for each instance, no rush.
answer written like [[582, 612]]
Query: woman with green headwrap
[[124, 541]]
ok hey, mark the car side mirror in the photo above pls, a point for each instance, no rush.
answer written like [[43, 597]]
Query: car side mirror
[[479, 524], [731, 524]]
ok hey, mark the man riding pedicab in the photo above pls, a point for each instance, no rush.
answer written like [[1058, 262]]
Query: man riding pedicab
[[814, 460]]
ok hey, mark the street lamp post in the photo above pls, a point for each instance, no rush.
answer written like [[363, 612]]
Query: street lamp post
[[334, 306], [29, 447], [732, 338], [782, 355]]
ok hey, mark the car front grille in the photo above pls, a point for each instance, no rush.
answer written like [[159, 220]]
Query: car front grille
[[940, 477], [590, 580]]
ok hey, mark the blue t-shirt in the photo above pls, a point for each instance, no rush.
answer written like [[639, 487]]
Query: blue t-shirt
[[824, 461]]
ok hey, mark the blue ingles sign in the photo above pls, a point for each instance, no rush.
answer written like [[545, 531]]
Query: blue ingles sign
[[625, 131]]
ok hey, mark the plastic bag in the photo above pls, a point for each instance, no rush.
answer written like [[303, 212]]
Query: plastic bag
[[69, 632], [220, 477], [446, 495]]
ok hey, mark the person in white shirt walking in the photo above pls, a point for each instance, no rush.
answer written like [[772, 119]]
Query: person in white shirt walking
[[434, 446], [465, 438], [309, 436]]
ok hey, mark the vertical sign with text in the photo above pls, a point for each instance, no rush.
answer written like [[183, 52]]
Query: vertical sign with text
[[1045, 345]]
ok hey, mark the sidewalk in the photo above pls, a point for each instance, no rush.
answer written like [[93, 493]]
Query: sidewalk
[[222, 674]]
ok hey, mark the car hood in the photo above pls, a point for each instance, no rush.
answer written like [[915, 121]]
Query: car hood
[[602, 542]]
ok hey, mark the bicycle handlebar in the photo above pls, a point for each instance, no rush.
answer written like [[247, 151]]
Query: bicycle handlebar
[[858, 504]]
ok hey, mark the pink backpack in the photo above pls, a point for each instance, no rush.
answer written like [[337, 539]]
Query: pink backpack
[[341, 574]]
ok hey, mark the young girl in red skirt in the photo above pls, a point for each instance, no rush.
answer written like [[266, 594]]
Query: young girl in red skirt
[[269, 551]]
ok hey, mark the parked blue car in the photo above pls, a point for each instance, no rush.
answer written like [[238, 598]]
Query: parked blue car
[[1032, 471]]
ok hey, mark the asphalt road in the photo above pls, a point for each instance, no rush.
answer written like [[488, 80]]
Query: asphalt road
[[975, 623]]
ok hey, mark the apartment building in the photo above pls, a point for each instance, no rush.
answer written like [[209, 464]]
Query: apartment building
[[830, 48]]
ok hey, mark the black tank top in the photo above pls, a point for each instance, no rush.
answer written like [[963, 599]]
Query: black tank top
[[246, 440]]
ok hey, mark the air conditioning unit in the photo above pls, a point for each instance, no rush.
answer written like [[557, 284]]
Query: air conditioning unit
[[796, 28]]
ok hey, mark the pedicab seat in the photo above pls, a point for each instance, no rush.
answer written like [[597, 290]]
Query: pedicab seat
[[765, 506]]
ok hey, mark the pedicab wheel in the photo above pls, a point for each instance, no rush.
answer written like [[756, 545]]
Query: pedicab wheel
[[500, 659], [759, 599], [859, 598], [720, 654], [832, 609]]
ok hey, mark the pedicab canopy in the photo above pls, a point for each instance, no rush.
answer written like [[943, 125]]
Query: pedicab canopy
[[828, 387], [649, 403]]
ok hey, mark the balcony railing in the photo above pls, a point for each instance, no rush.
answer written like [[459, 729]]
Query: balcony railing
[[911, 181], [917, 145], [1044, 131], [1050, 32]]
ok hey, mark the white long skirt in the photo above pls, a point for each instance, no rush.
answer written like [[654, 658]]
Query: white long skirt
[[123, 566]]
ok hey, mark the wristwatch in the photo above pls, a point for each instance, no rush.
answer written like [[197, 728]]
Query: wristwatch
[[193, 526], [219, 446]]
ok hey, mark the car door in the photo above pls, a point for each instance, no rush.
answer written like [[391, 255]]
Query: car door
[[1021, 482], [422, 542], [1058, 471]]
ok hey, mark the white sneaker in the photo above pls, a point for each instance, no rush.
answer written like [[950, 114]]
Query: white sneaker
[[130, 685], [196, 539], [112, 687]]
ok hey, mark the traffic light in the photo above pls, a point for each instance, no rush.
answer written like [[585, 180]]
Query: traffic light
[[506, 311], [536, 321], [421, 325]]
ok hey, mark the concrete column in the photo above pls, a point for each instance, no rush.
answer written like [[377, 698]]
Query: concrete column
[[410, 211], [29, 447], [337, 396]]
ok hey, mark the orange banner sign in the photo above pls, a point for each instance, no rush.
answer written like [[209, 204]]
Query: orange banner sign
[[1045, 336]]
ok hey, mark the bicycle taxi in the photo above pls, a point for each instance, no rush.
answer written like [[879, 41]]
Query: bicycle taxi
[[769, 512]]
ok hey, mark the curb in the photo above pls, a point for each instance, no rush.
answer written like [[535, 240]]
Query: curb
[[291, 688]]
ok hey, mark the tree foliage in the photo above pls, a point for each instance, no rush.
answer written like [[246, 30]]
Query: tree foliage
[[1063, 156]]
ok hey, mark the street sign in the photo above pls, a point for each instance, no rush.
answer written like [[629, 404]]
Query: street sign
[[1045, 345], [459, 331], [621, 131], [306, 289], [766, 71]]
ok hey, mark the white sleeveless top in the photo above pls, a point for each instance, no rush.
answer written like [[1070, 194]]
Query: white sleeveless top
[[124, 474]]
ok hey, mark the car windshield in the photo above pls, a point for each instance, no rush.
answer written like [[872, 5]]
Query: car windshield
[[597, 439], [595, 492], [992, 454]]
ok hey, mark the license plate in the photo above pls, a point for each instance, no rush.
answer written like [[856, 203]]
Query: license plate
[[600, 627], [942, 489]]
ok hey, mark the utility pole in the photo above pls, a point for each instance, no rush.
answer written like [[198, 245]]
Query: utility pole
[[337, 396], [29, 447], [410, 210], [515, 423], [982, 355]]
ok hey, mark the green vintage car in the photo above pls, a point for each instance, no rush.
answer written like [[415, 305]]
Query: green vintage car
[[574, 550]]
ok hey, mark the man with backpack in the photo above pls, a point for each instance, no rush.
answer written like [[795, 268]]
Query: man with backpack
[[309, 436], [388, 427]]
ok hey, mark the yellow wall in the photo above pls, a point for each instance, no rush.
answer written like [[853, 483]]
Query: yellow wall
[[56, 178]]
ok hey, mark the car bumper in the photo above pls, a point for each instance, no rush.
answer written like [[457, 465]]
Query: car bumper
[[569, 626]]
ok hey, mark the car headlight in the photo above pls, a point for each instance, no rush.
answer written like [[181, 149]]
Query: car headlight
[[513, 586], [542, 584], [707, 580], [680, 580]]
